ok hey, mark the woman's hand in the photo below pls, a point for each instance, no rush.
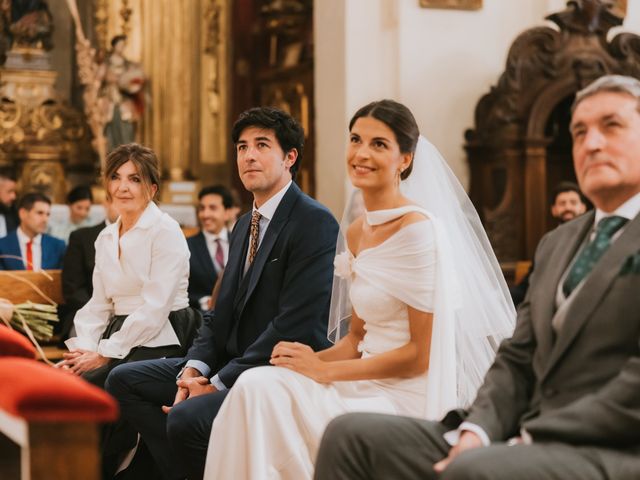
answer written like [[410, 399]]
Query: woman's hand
[[81, 361], [300, 358]]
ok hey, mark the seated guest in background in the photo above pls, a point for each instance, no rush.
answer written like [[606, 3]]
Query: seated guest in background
[[209, 248], [77, 272], [276, 286], [561, 399], [28, 247], [567, 203], [139, 307], [8, 214], [79, 200]]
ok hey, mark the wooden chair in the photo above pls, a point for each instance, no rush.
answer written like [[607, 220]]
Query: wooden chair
[[522, 268]]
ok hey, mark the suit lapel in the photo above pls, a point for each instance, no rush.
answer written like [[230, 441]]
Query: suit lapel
[[278, 221], [596, 285], [14, 249], [45, 253], [235, 263], [203, 256], [558, 262]]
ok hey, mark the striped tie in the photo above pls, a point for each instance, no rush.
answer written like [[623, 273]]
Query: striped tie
[[255, 234]]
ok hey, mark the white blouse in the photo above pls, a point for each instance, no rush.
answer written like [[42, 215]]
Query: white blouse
[[147, 282]]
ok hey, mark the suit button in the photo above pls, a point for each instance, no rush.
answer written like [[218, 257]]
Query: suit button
[[549, 392]]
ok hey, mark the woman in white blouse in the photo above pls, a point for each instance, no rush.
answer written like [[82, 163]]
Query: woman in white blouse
[[139, 308]]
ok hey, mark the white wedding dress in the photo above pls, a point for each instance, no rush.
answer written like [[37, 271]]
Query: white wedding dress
[[272, 421]]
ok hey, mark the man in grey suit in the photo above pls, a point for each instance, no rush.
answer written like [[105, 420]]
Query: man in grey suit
[[562, 399]]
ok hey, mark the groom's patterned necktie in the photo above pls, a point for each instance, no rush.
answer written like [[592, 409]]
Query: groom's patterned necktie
[[590, 255], [254, 233]]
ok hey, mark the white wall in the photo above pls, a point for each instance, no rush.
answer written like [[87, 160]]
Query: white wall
[[438, 62]]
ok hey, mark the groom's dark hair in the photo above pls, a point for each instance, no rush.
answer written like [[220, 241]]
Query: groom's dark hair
[[399, 119], [288, 131]]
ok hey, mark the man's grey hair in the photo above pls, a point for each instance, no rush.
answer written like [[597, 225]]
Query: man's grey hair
[[609, 83]]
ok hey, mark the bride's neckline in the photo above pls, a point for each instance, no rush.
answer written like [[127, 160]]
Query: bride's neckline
[[378, 217]]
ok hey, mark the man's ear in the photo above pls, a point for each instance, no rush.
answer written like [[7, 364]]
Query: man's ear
[[291, 158]]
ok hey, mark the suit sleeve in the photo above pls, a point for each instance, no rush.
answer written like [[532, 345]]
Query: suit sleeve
[[303, 298], [76, 292], [505, 394]]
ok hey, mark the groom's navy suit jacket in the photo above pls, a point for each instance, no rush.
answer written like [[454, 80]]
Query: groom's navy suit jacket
[[284, 295]]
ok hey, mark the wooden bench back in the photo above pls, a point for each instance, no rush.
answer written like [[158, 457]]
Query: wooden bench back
[[14, 286]]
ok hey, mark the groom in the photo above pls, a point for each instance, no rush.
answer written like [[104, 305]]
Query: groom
[[276, 286], [562, 399]]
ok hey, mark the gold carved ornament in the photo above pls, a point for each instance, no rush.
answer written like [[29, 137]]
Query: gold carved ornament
[[89, 75]]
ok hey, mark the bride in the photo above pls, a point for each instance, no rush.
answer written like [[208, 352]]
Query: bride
[[418, 292]]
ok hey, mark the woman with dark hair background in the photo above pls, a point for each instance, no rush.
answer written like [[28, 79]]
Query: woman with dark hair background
[[398, 318], [79, 201]]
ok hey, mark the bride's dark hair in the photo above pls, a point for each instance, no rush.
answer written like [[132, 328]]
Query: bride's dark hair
[[401, 122]]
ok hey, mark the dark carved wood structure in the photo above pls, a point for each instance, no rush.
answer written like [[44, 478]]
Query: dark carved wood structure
[[520, 146], [272, 64]]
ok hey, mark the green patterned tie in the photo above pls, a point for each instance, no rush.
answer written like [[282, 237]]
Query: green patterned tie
[[590, 255]]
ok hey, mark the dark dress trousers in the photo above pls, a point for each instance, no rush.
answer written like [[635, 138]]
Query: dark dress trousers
[[52, 252], [284, 295], [574, 388], [77, 274], [202, 273]]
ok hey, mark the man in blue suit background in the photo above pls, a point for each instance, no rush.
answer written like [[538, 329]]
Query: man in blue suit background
[[210, 247], [28, 247]]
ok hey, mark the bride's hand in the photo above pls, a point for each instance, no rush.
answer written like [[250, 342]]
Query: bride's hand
[[299, 358]]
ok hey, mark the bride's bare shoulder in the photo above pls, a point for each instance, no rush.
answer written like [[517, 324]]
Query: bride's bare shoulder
[[413, 217]]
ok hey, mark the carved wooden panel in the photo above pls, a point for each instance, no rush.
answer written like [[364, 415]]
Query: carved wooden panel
[[456, 4], [521, 125]]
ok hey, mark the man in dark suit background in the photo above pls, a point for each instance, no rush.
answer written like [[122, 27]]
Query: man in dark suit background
[[567, 203], [77, 271], [8, 213], [562, 399], [210, 247], [276, 286], [28, 247]]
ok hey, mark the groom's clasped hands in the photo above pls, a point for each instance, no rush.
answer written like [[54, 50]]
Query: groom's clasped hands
[[299, 358], [190, 384]]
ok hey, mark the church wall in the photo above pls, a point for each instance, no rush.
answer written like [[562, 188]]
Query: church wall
[[437, 62]]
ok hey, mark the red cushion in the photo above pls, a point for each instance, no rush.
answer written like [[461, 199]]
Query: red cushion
[[14, 344], [39, 392]]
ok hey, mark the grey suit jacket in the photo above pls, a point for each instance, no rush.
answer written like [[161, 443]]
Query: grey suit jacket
[[581, 386]]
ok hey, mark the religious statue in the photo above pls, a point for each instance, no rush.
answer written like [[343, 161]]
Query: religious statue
[[121, 96], [24, 24]]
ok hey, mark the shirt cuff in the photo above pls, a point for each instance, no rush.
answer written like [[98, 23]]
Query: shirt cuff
[[216, 382], [204, 303], [76, 343], [453, 436], [202, 367], [526, 437]]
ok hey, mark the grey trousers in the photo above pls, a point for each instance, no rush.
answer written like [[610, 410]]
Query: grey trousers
[[372, 446]]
